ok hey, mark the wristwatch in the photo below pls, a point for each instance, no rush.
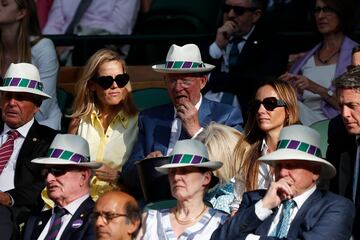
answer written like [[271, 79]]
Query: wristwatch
[[330, 92]]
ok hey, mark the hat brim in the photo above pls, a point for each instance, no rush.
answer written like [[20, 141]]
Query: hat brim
[[56, 161], [25, 90], [327, 169], [162, 69], [213, 165]]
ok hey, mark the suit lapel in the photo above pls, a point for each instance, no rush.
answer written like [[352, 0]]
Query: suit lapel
[[204, 113], [79, 220], [40, 223], [264, 228], [162, 129]]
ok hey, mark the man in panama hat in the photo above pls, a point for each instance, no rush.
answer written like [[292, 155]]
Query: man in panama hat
[[160, 127], [293, 207], [22, 139], [67, 173]]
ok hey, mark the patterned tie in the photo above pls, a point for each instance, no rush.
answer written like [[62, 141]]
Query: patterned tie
[[174, 136], [7, 149], [55, 226], [282, 227]]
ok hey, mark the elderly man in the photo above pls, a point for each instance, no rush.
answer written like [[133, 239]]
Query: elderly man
[[343, 150], [160, 127], [243, 52], [117, 216], [22, 139], [293, 207], [67, 172]]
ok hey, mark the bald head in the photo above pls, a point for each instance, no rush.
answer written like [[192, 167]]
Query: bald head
[[120, 216]]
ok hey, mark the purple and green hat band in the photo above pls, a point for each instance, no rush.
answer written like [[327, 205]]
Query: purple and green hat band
[[301, 146], [187, 159], [23, 82], [183, 64], [66, 155]]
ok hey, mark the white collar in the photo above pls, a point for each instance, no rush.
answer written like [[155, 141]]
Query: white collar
[[74, 205], [304, 196], [23, 130]]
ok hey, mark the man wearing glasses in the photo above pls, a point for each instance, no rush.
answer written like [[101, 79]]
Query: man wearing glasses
[[67, 172], [160, 127], [242, 53], [22, 139], [116, 216]]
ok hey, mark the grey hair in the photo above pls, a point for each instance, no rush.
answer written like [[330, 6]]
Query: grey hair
[[349, 79]]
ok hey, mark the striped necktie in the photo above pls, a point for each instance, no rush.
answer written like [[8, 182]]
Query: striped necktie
[[282, 227], [234, 51], [7, 149], [56, 224]]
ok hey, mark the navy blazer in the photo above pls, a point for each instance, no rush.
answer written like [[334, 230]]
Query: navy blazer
[[155, 129], [73, 231], [323, 215], [28, 181]]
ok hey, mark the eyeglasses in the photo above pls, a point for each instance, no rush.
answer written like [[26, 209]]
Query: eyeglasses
[[57, 171], [238, 10], [184, 82], [106, 216], [325, 10], [269, 104], [107, 81]]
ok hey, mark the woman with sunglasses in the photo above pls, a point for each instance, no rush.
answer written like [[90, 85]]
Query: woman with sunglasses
[[312, 74], [21, 41], [274, 107], [105, 115]]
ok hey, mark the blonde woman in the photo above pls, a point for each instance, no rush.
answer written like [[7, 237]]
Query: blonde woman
[[220, 141], [105, 115], [274, 107]]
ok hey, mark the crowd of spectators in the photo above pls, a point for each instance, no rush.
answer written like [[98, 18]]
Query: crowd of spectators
[[239, 155]]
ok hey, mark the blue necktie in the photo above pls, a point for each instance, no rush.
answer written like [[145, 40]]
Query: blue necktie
[[56, 224], [282, 227], [234, 52]]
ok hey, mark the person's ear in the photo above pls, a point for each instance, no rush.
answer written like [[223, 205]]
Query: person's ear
[[133, 226], [256, 15], [206, 178], [21, 14], [203, 81]]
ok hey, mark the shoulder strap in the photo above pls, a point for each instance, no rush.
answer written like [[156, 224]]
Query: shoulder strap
[[81, 9]]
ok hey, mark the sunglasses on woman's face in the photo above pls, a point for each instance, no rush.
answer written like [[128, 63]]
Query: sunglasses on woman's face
[[269, 104], [107, 81]]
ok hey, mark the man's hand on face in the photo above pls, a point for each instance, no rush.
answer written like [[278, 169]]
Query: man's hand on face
[[278, 192], [188, 114], [225, 32]]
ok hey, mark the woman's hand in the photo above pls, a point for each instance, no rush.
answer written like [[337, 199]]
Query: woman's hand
[[106, 173], [300, 82]]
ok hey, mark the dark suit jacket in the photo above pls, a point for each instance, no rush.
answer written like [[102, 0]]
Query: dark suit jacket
[[36, 224], [341, 153], [155, 129], [260, 58], [323, 215], [28, 180]]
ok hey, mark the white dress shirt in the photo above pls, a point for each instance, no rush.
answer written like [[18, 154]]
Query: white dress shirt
[[8, 174], [71, 209]]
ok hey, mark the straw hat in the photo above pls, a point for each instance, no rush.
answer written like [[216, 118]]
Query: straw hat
[[23, 77], [68, 149], [189, 152], [183, 59], [298, 142]]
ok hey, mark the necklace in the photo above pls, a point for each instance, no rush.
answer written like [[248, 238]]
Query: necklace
[[191, 220], [324, 62]]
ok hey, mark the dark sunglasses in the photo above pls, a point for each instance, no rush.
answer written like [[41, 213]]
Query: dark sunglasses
[[57, 171], [269, 104], [107, 81], [326, 9], [238, 10]]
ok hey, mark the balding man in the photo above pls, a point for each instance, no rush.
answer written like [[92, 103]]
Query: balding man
[[117, 216]]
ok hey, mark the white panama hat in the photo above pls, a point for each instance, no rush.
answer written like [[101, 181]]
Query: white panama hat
[[23, 77], [298, 142], [183, 59], [189, 152], [68, 149]]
